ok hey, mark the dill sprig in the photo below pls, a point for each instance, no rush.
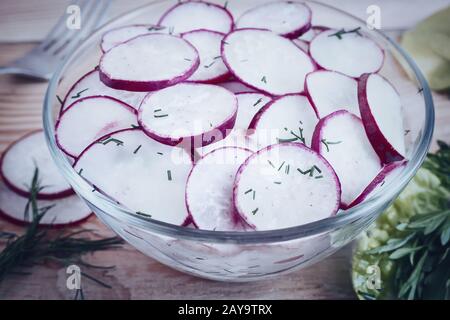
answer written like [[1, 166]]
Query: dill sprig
[[36, 245], [341, 32]]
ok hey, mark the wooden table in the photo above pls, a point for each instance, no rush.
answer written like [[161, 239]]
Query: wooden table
[[137, 276]]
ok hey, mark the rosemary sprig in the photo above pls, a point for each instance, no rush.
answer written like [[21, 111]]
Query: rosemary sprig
[[36, 246], [341, 32]]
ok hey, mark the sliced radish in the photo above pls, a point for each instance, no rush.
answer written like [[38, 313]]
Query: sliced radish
[[119, 35], [381, 112], [348, 52], [209, 189], [19, 162], [211, 69], [148, 62], [341, 139], [301, 44], [285, 185], [236, 86], [194, 15], [202, 112], [385, 176], [287, 18], [98, 116], [140, 173], [311, 33], [64, 211], [290, 118], [249, 103], [329, 91], [90, 85], [266, 61]]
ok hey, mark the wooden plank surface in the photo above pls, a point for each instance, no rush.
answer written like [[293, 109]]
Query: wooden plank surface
[[137, 276]]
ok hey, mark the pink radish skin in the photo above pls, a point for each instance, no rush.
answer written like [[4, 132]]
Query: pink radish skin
[[113, 115], [352, 55], [119, 35], [140, 73], [209, 189], [301, 44], [386, 175], [349, 152], [161, 111], [291, 111], [194, 15], [386, 134], [19, 160], [122, 172], [236, 87], [287, 18], [90, 85], [330, 91], [211, 69], [278, 201], [67, 211], [250, 53]]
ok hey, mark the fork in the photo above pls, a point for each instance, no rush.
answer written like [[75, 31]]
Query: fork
[[42, 60]]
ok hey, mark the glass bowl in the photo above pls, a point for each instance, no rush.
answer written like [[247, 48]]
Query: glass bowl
[[245, 256]]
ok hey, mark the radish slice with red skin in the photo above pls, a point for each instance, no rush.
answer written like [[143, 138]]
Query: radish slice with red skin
[[330, 91], [236, 87], [381, 112], [19, 161], [122, 172], [287, 18], [209, 189], [340, 137], [99, 116], [148, 62], [119, 35], [385, 176], [194, 15], [311, 33], [249, 103], [66, 211], [352, 54], [90, 85], [202, 113], [289, 118], [253, 56], [293, 186], [211, 68]]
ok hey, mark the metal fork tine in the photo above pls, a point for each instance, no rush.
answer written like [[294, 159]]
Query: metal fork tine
[[88, 25], [57, 29]]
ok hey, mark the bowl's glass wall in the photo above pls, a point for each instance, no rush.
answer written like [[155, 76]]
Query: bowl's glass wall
[[236, 256]]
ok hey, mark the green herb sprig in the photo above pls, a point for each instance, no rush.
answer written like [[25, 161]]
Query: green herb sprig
[[342, 32]]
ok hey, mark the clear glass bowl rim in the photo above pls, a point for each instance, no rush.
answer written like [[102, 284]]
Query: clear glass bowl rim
[[121, 214]]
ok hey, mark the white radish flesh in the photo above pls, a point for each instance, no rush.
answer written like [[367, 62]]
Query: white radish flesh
[[148, 62], [195, 15], [290, 118], [19, 162], [119, 35], [348, 52], [99, 116], [202, 112], [143, 175], [236, 86], [385, 177], [340, 137], [209, 189], [90, 85], [64, 211], [287, 18], [381, 112], [285, 185], [266, 61], [330, 91], [211, 68]]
